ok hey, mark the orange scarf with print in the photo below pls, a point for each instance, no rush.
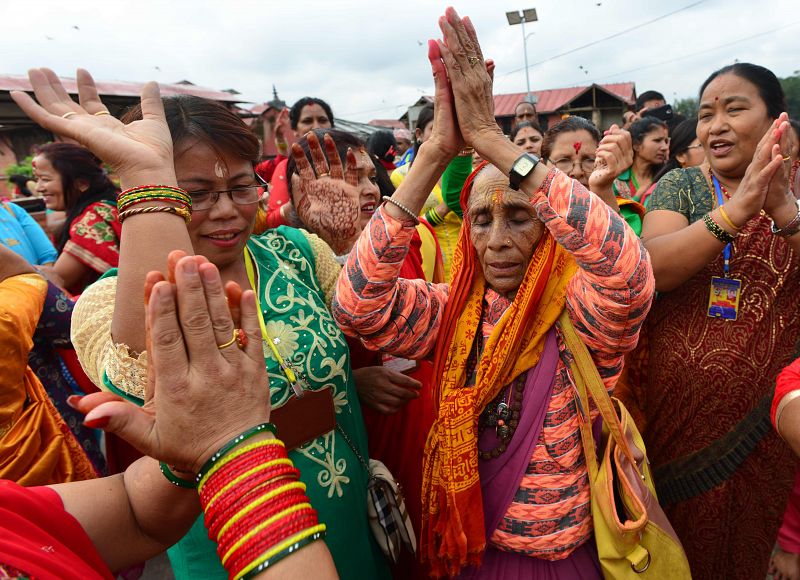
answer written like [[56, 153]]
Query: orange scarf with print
[[453, 534]]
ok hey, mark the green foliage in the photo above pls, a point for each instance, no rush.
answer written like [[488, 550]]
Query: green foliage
[[791, 86], [687, 106], [23, 168]]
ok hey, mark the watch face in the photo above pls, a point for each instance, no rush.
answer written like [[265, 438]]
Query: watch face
[[523, 166]]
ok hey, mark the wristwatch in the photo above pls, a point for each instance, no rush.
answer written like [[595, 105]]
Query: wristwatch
[[522, 167], [791, 228]]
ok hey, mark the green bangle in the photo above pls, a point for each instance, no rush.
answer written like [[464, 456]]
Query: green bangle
[[282, 554], [174, 479], [233, 443], [433, 217], [716, 230]]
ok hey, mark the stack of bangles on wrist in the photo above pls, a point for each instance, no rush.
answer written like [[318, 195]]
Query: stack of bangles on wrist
[[256, 509], [180, 203], [432, 217], [717, 230]]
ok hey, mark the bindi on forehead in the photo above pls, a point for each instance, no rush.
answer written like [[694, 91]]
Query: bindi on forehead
[[577, 146]]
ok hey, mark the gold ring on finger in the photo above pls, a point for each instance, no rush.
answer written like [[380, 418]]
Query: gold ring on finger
[[473, 60], [323, 175], [101, 113], [68, 114], [787, 158], [230, 342]]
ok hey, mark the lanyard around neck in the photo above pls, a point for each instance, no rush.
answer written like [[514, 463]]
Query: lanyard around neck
[[726, 253], [287, 370]]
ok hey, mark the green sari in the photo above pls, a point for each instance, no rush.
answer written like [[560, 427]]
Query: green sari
[[300, 324]]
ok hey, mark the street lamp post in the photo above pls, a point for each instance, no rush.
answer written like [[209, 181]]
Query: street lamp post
[[517, 17]]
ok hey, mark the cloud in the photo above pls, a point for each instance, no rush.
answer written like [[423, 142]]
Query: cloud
[[366, 59]]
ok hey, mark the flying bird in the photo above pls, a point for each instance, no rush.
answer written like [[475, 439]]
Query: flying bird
[[75, 27]]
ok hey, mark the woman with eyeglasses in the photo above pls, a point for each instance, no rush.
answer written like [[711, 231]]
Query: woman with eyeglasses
[[208, 152], [574, 146]]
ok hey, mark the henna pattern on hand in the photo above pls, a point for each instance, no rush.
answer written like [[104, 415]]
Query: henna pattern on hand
[[329, 204]]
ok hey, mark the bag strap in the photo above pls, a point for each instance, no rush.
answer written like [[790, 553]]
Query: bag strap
[[587, 378]]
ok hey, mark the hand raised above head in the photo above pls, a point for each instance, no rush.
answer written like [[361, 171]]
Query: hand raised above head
[[469, 76], [140, 152], [327, 198], [204, 395]]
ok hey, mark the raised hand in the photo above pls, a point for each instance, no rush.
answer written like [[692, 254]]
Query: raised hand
[[613, 156], [469, 76], [327, 200], [283, 127], [140, 152], [203, 395]]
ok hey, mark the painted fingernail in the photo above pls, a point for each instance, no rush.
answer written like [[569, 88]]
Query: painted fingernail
[[99, 423], [74, 400]]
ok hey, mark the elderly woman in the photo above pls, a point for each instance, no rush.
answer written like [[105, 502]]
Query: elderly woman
[[514, 491]]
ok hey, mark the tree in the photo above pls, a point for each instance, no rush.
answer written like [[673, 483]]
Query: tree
[[791, 86], [686, 107]]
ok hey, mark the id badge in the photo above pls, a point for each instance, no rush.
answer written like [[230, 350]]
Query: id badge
[[723, 299]]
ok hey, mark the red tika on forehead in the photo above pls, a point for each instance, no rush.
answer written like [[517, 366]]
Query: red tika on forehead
[[577, 146]]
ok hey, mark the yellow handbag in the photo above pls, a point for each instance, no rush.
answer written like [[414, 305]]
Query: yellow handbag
[[634, 538]]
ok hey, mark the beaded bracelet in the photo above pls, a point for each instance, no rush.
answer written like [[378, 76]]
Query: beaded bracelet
[[717, 231], [178, 211], [233, 443], [174, 479], [402, 207]]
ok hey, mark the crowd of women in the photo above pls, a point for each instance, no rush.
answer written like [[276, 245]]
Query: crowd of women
[[370, 359]]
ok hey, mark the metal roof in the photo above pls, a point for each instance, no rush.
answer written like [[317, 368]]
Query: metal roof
[[124, 88], [551, 100]]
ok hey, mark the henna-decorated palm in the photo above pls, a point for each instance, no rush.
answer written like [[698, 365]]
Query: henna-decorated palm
[[140, 152], [328, 203]]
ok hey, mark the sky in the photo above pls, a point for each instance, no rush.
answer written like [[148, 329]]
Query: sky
[[369, 59]]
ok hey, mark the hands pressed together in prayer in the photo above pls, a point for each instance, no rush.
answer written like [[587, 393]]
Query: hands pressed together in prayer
[[194, 387], [765, 185]]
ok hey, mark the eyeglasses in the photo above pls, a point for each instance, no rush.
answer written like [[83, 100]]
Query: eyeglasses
[[565, 164], [240, 195]]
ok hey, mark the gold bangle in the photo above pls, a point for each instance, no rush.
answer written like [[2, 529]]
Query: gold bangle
[[178, 211], [728, 220]]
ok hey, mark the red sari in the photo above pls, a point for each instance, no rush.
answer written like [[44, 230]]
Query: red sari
[[39, 539], [709, 381]]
